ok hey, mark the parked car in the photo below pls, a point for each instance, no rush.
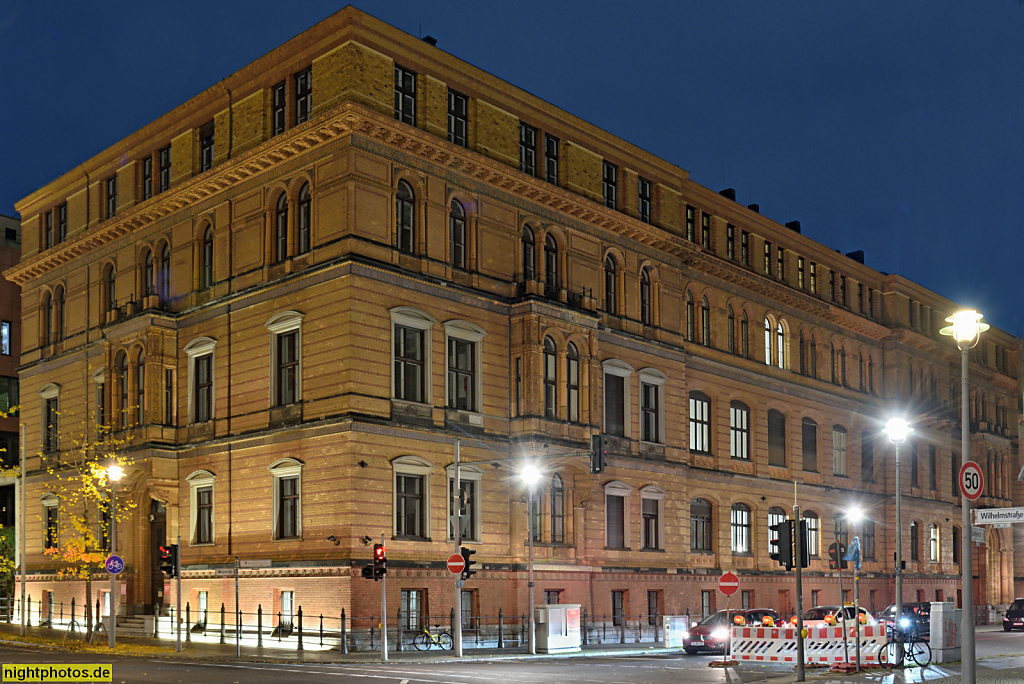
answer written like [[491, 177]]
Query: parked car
[[1014, 618], [916, 615], [712, 633], [831, 616]]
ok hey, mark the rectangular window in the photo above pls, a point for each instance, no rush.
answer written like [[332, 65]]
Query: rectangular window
[[279, 107], [781, 253], [52, 425], [776, 439], [705, 230], [842, 290], [700, 425], [405, 96], [650, 523], [551, 159], [615, 528], [767, 258], [461, 374], [409, 360], [745, 248], [287, 507], [933, 467], [867, 547], [814, 278], [147, 178], [913, 465], [809, 439], [457, 118], [165, 168], [101, 413], [303, 95], [206, 146], [168, 396], [649, 408], [287, 368], [8, 394], [551, 596], [412, 609], [706, 605], [739, 432], [955, 469], [111, 196], [871, 303], [867, 457], [527, 149], [644, 200], [203, 399], [610, 184], [745, 600], [287, 609], [690, 223], [618, 607], [467, 608], [519, 386], [800, 272], [204, 515], [468, 509], [52, 527], [839, 452], [653, 607], [48, 230], [410, 513], [62, 222], [815, 597], [730, 242], [614, 405]]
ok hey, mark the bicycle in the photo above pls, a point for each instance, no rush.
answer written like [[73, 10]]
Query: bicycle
[[905, 646], [425, 640]]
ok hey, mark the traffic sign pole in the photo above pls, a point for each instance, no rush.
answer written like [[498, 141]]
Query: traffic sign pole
[[111, 636], [456, 523], [966, 571]]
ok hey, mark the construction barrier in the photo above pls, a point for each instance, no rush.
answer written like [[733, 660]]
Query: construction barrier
[[823, 645]]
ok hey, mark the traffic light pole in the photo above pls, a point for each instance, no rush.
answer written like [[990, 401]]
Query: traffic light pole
[[457, 536], [384, 612], [798, 555], [177, 613], [111, 636]]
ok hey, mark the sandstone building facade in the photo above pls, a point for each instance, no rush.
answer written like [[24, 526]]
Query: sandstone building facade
[[291, 295]]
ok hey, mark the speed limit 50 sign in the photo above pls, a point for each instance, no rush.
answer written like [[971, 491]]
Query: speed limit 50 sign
[[972, 481]]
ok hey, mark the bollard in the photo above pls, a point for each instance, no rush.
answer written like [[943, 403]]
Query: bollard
[[398, 631], [639, 628], [97, 617], [28, 611], [344, 634], [583, 626], [259, 625], [280, 628], [372, 645], [72, 615], [321, 629], [622, 628], [300, 628], [221, 624], [604, 628], [451, 622], [156, 621], [188, 621], [501, 628]]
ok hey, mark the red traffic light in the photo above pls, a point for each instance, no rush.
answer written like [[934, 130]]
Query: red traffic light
[[379, 552]]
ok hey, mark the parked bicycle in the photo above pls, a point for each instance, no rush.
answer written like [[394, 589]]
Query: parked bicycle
[[905, 647], [427, 639]]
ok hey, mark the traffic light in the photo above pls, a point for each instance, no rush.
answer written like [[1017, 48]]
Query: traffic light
[[368, 572], [805, 551], [467, 556], [169, 560], [598, 452], [835, 552], [380, 561], [781, 551]]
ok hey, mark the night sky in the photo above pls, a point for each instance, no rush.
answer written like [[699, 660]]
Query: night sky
[[892, 127]]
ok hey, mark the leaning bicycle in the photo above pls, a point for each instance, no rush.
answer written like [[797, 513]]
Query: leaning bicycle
[[905, 647], [427, 639]]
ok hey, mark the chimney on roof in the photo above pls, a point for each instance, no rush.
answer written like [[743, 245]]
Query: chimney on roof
[[430, 40], [794, 226], [728, 193], [756, 208], [857, 256]]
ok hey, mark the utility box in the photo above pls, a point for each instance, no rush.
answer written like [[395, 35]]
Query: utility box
[[558, 628], [674, 629], [945, 632]]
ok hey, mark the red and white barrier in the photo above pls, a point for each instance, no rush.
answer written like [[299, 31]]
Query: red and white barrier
[[823, 645]]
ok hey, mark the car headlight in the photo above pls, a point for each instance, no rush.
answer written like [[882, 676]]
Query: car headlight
[[686, 636], [904, 622], [720, 634]]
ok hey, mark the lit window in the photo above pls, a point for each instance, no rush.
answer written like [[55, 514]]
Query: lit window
[[287, 474]]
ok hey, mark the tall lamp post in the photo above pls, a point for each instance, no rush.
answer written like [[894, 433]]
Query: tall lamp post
[[114, 473], [854, 515], [966, 328], [530, 475], [897, 431]]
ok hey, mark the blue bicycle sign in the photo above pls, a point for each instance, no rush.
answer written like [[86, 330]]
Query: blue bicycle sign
[[114, 564]]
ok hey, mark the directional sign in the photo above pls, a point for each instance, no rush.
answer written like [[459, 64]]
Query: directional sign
[[456, 563], [728, 584], [998, 516], [114, 564], [260, 563], [224, 572], [972, 481]]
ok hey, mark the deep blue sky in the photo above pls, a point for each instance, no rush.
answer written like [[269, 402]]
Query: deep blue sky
[[892, 127]]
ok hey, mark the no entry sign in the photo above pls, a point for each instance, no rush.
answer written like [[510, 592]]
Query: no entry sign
[[456, 564], [728, 584], [972, 481]]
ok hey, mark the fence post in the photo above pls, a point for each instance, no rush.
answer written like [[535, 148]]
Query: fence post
[[501, 628], [522, 629], [344, 634], [72, 614], [259, 625], [583, 625], [321, 629], [604, 628], [622, 627], [300, 628], [372, 642], [188, 621], [10, 609], [222, 623], [280, 627], [398, 631]]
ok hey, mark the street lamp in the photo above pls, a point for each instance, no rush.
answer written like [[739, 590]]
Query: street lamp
[[966, 328], [114, 473], [854, 515], [530, 475], [897, 430]]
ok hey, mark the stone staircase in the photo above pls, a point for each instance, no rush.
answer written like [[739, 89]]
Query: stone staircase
[[138, 626]]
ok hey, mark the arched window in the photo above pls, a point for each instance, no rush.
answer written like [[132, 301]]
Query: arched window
[[813, 527], [732, 330], [550, 394], [140, 388], [842, 367], [915, 552], [767, 341], [305, 218], [813, 365], [739, 430], [700, 525], [206, 277], [60, 318], [645, 296], [405, 218], [860, 372], [148, 283], [121, 366], [803, 354], [47, 319], [572, 382], [835, 366], [550, 264], [776, 438], [689, 317], [610, 272], [780, 344], [165, 273], [700, 423], [776, 516], [457, 235], [809, 444], [557, 510], [933, 543], [110, 288], [529, 255], [705, 322], [745, 336], [281, 229], [839, 435], [740, 524]]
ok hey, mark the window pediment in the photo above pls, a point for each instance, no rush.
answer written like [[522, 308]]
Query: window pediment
[[200, 346]]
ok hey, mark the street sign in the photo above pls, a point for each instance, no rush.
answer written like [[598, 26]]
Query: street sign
[[972, 481], [977, 534], [224, 572], [728, 584], [456, 563], [998, 516], [260, 563], [114, 564]]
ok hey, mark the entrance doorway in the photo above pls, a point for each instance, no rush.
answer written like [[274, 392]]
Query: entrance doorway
[[157, 538]]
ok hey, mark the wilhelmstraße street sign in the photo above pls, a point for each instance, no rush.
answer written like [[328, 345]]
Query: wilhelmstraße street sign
[[257, 563], [992, 516], [224, 572]]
